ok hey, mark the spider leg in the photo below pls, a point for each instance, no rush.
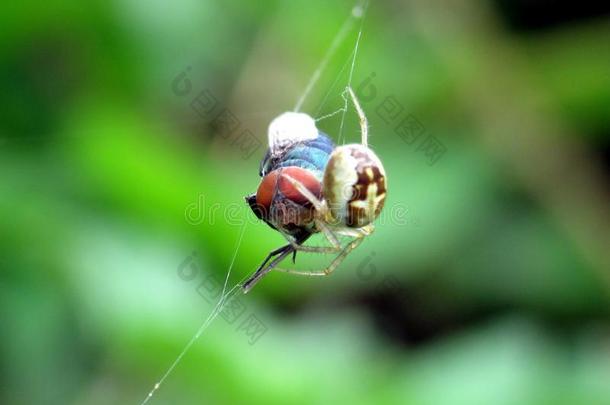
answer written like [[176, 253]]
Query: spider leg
[[330, 235], [280, 254], [284, 251], [298, 246], [364, 125], [356, 232], [316, 249], [315, 201], [320, 208], [331, 267], [302, 273], [347, 250]]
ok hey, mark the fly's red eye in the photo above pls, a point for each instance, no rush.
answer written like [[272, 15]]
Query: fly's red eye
[[273, 184]]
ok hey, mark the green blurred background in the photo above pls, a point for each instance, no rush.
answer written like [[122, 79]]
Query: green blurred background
[[487, 280]]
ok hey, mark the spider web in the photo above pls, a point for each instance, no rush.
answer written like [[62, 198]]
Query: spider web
[[357, 13], [225, 297]]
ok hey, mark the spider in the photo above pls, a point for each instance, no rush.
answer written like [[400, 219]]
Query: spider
[[308, 186]]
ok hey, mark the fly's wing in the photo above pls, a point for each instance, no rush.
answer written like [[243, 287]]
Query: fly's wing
[[263, 168]]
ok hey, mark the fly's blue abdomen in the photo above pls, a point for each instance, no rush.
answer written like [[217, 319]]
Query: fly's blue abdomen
[[312, 155]]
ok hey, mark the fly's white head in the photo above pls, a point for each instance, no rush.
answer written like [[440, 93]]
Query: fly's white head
[[291, 127]]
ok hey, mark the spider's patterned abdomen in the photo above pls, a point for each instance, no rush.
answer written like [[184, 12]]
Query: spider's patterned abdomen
[[354, 185]]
